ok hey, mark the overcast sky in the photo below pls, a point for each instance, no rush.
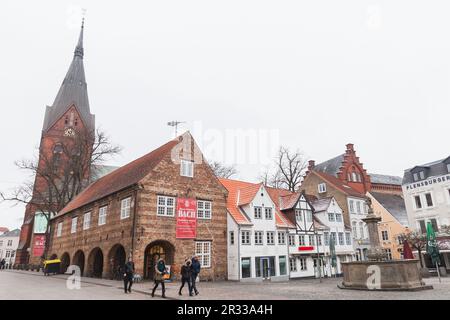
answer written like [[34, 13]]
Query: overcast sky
[[312, 75]]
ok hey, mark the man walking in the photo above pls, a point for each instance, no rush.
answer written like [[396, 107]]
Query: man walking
[[128, 275], [195, 271], [186, 275]]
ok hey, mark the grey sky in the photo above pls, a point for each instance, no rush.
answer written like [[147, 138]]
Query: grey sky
[[324, 73]]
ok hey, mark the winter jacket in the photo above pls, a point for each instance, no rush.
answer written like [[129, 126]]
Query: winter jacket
[[186, 272], [195, 267]]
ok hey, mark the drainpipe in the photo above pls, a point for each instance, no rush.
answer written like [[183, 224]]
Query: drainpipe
[[133, 228], [239, 254]]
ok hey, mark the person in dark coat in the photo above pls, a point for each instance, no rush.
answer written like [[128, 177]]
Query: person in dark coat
[[195, 271], [128, 275], [186, 275], [2, 264], [160, 271]]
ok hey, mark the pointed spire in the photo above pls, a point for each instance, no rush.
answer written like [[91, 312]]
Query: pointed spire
[[79, 50]]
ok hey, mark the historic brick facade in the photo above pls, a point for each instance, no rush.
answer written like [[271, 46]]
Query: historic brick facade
[[144, 233]]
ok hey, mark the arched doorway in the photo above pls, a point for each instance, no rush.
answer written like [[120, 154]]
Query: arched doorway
[[116, 260], [95, 263], [65, 262], [78, 259], [153, 252]]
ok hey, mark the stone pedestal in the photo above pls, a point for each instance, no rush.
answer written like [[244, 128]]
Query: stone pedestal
[[395, 275], [379, 273]]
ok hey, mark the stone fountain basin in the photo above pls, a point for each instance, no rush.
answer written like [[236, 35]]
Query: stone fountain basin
[[392, 275]]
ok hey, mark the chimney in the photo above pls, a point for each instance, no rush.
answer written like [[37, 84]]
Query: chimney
[[311, 165], [349, 148]]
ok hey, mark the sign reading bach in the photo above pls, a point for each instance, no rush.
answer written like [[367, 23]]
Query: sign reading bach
[[186, 219]]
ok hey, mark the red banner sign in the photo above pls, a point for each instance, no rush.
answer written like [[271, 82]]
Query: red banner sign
[[38, 245], [306, 248], [186, 218]]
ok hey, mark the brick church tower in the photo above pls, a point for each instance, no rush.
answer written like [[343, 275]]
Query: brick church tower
[[68, 116]]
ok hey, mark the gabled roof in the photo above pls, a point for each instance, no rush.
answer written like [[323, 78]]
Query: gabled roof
[[321, 204], [331, 166], [234, 188], [11, 234], [4, 229], [338, 184], [121, 178], [385, 179], [241, 193], [394, 204], [73, 92]]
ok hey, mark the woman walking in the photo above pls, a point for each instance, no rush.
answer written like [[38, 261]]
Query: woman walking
[[186, 274], [160, 271]]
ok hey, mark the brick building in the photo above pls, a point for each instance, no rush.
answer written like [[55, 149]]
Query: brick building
[[345, 178], [67, 116], [133, 211]]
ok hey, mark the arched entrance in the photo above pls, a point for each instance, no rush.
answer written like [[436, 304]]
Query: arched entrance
[[116, 260], [95, 263], [153, 252], [78, 259], [65, 262]]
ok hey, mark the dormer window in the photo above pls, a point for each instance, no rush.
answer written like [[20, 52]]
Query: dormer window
[[322, 187], [187, 168], [419, 175], [448, 167]]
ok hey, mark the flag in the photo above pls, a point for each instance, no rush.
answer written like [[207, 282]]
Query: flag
[[333, 253], [432, 248]]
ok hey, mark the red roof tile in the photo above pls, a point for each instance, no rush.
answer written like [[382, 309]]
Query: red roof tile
[[339, 184], [235, 188], [120, 178], [4, 229]]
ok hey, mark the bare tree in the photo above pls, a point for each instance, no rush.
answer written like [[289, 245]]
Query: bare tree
[[271, 179], [223, 171], [61, 174], [290, 168]]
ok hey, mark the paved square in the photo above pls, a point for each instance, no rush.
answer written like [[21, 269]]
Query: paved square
[[23, 285]]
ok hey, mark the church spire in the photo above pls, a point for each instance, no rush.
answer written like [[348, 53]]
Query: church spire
[[73, 91], [79, 50]]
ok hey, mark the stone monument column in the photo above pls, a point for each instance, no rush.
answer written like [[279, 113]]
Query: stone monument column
[[376, 252]]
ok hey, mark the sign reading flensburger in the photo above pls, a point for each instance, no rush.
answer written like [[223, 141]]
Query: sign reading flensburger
[[428, 182], [186, 227]]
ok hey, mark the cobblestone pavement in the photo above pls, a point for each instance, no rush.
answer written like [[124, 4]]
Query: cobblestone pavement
[[21, 285]]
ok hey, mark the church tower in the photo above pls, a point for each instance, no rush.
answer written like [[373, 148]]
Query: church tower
[[68, 116]]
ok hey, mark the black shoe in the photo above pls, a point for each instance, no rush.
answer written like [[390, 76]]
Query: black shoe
[[163, 296], [179, 293], [196, 293], [129, 290], [191, 295]]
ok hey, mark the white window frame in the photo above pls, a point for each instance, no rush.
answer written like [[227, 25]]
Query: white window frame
[[432, 199], [293, 264], [203, 252], [301, 240], [341, 239], [102, 214], [87, 220], [246, 237], [204, 209], [414, 196], [281, 237], [322, 187], [338, 217], [187, 168], [257, 212], [59, 229], [351, 205], [383, 233], [73, 226], [259, 238], [303, 264], [268, 213], [162, 203], [291, 240], [125, 208], [331, 217], [348, 238], [270, 238]]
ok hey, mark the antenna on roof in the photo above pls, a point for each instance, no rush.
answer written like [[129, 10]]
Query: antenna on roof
[[175, 125]]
